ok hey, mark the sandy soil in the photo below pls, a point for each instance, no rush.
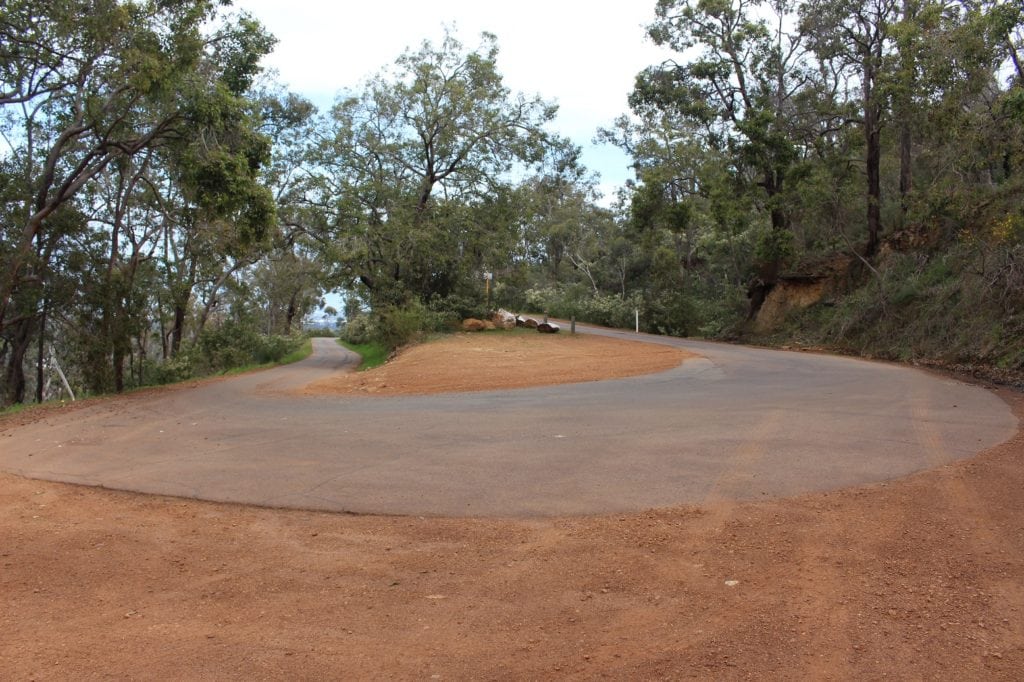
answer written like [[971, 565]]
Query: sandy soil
[[920, 578], [501, 360]]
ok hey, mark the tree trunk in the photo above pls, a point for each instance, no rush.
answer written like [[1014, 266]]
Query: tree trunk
[[118, 367], [40, 374], [14, 376], [874, 163], [906, 172], [873, 155], [290, 313], [178, 329], [904, 108]]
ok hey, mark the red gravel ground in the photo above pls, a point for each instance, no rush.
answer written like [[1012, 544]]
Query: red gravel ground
[[921, 578]]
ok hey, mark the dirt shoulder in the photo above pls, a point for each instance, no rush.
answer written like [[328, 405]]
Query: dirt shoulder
[[919, 578], [503, 360]]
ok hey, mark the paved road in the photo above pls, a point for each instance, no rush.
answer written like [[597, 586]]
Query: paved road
[[739, 423]]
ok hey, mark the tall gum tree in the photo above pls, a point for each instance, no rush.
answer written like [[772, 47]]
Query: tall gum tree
[[856, 36], [438, 130], [90, 84], [741, 70]]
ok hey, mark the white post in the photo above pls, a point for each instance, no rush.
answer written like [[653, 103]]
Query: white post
[[637, 311]]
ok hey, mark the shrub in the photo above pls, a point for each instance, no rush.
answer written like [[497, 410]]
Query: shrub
[[273, 348], [358, 330], [452, 309], [233, 344], [178, 368], [400, 325]]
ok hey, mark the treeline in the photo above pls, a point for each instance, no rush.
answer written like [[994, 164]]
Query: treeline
[[889, 133], [845, 172], [167, 209], [131, 184]]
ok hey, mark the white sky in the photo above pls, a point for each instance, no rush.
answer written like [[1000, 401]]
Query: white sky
[[581, 54]]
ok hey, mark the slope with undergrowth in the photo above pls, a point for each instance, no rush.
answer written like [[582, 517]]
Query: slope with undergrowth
[[961, 308]]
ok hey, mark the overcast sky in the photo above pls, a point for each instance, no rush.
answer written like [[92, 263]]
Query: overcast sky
[[581, 54]]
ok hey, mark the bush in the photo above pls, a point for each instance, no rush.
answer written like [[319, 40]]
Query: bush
[[400, 325], [273, 348], [452, 309], [395, 326], [232, 344], [225, 346], [358, 329], [178, 368]]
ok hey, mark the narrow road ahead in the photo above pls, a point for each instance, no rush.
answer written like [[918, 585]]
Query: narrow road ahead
[[739, 423]]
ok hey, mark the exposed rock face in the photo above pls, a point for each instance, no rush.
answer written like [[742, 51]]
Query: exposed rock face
[[788, 294], [796, 291]]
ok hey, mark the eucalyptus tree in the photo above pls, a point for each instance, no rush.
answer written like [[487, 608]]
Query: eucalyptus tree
[[924, 72], [87, 87], [408, 162], [857, 35], [738, 84]]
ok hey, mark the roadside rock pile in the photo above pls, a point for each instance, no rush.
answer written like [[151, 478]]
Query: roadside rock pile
[[503, 319]]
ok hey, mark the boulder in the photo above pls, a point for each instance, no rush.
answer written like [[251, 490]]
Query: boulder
[[503, 319], [547, 328], [530, 322], [474, 325]]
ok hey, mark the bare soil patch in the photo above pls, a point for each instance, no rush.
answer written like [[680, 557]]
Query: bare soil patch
[[502, 360], [921, 578]]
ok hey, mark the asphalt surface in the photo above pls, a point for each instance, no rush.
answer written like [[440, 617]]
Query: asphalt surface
[[738, 423]]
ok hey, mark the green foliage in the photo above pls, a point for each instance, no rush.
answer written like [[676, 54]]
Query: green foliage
[[358, 330], [230, 344], [135, 114], [158, 200], [775, 246], [373, 354], [398, 326], [179, 368], [449, 311], [575, 301], [927, 308], [411, 172]]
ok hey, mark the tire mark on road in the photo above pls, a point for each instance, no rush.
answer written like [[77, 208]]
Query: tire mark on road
[[737, 477]]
